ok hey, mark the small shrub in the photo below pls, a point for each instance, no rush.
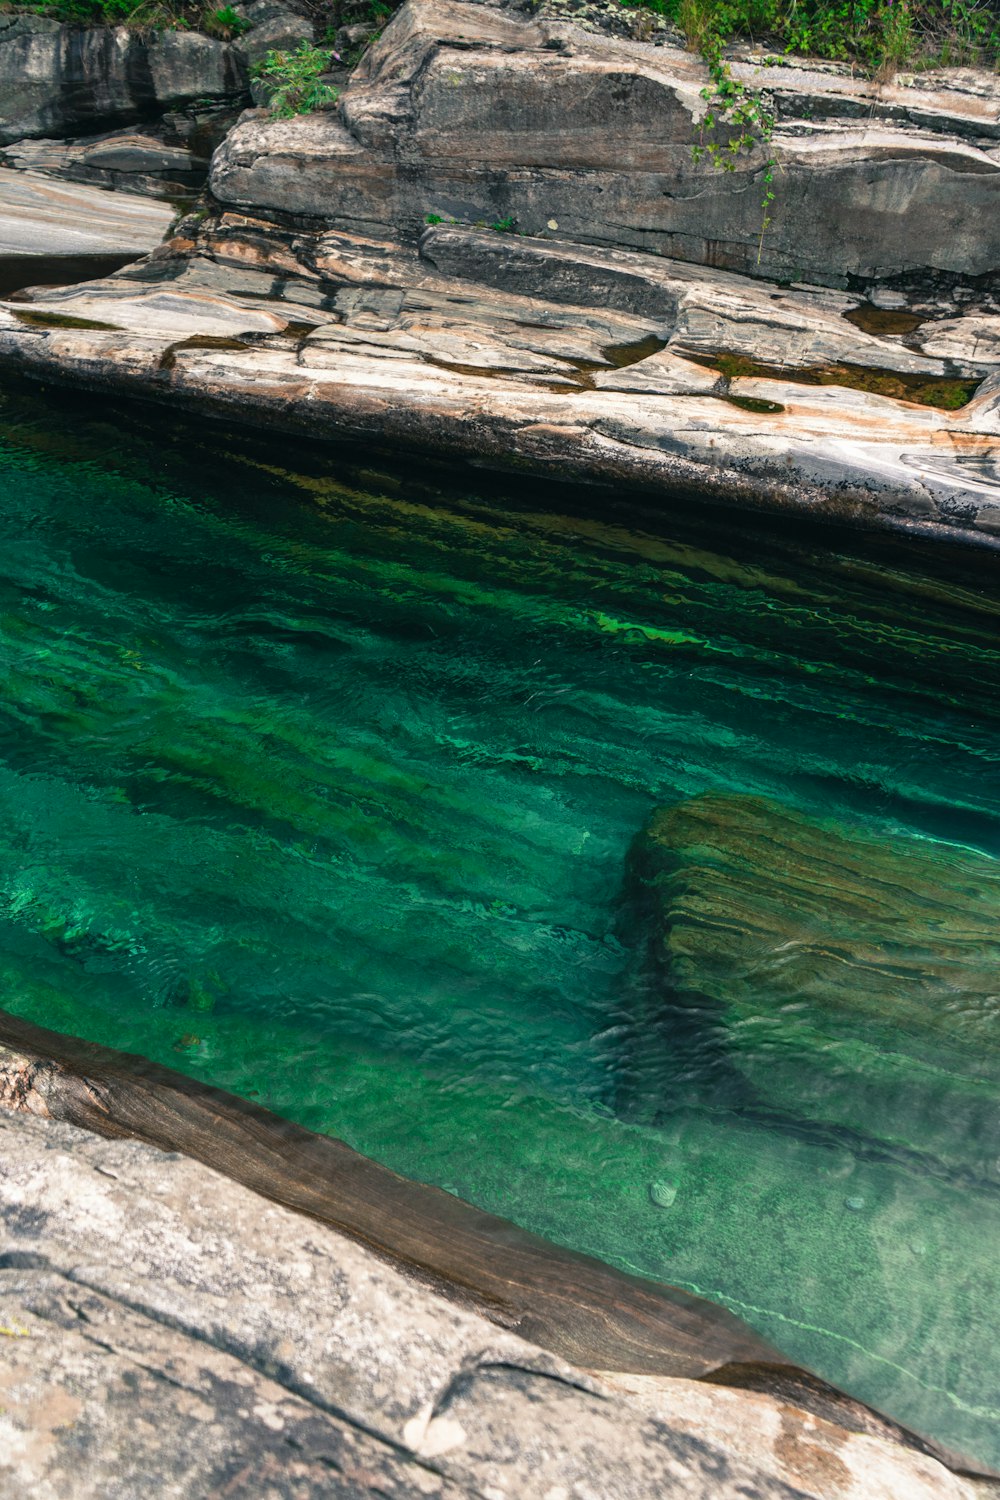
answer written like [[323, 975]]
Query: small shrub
[[224, 23], [295, 80], [898, 43], [698, 21]]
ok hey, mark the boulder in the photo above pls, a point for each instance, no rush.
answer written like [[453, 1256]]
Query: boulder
[[275, 26], [796, 966]]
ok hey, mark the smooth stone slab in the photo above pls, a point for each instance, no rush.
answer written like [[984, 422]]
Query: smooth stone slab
[[39, 216], [573, 1304], [166, 1331]]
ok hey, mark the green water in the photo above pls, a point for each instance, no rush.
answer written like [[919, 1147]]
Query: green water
[[318, 783]]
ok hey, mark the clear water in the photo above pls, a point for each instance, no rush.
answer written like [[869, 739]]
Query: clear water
[[318, 783]]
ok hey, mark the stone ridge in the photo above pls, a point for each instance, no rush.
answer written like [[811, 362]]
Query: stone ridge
[[166, 1331], [546, 358]]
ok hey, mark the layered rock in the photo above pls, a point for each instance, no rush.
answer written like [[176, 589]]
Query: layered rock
[[785, 948], [479, 114], [721, 387], [694, 384], [59, 79], [39, 217]]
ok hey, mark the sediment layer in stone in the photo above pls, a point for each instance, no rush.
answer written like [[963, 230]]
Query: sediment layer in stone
[[603, 366]]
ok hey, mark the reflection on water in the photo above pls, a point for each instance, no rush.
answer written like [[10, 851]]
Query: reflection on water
[[320, 784]]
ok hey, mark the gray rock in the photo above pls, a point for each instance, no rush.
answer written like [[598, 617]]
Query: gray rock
[[41, 217], [468, 112], [130, 161], [63, 80], [166, 1332], [276, 26]]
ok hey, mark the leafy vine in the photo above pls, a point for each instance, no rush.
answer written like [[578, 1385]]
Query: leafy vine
[[748, 114]]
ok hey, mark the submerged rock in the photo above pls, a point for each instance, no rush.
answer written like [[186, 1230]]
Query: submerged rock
[[796, 966]]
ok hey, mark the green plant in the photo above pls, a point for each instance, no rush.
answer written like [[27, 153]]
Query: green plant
[[744, 116], [897, 39], [879, 34], [295, 80], [224, 23], [698, 21], [505, 226]]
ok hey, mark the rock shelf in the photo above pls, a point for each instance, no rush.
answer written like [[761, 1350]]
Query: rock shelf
[[604, 342]]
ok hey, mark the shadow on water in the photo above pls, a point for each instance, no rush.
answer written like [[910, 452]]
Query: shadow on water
[[18, 272]]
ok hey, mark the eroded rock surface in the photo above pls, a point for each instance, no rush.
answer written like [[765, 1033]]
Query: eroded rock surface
[[164, 1330], [550, 358], [481, 114]]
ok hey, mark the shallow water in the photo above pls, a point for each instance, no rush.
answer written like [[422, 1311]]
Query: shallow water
[[319, 784]]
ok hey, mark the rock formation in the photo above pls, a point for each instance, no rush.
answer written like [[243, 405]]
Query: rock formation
[[782, 946], [872, 400], [163, 1326], [131, 108], [42, 218], [471, 112]]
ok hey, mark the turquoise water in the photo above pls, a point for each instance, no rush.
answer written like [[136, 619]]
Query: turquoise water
[[319, 784]]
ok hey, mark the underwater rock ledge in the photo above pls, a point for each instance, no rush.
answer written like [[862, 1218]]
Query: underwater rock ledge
[[773, 942]]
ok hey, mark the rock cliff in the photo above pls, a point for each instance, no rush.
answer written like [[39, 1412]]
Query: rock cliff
[[481, 114], [635, 329]]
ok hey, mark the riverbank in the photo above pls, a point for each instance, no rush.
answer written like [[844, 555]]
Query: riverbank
[[192, 1334], [845, 364]]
